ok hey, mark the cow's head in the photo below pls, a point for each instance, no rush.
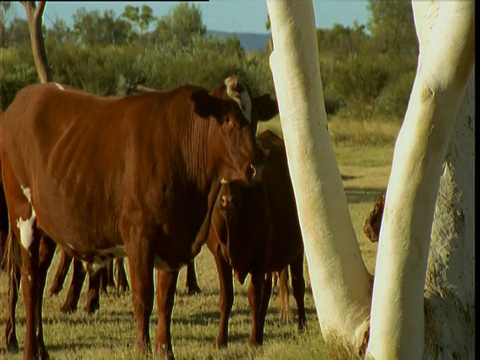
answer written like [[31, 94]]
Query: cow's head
[[232, 152], [255, 109]]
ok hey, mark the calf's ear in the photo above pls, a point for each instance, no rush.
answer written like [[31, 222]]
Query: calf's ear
[[206, 105], [266, 107]]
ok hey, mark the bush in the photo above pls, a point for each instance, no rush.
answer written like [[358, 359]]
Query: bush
[[393, 99], [18, 71], [95, 69], [358, 83]]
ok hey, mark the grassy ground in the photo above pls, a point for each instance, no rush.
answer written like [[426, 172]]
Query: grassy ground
[[109, 334]]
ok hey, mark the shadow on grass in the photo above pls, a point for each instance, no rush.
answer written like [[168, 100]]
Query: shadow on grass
[[356, 195]]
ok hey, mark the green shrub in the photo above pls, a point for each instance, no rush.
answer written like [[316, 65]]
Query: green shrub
[[393, 99], [17, 71]]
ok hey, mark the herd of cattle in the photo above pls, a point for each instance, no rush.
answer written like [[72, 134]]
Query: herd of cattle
[[150, 178]]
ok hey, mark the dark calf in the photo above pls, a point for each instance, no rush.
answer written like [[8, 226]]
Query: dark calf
[[255, 231]]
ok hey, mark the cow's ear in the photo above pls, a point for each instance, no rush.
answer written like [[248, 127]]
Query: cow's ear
[[266, 107], [206, 105]]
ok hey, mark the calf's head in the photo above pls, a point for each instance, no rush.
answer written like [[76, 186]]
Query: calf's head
[[231, 225]]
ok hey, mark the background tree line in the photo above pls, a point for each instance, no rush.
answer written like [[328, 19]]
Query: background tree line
[[365, 74]]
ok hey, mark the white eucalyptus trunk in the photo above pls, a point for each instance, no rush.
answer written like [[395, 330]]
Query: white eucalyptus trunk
[[446, 38], [450, 281], [340, 282]]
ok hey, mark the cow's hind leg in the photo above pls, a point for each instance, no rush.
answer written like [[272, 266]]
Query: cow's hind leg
[[61, 274], [78, 277], [166, 286], [121, 275], [192, 282], [14, 277], [110, 279]]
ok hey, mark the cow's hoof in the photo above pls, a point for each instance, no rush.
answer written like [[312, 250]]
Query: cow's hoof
[[67, 309], [192, 290], [12, 346]]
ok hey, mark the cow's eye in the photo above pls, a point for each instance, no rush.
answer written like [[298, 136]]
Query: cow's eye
[[229, 120]]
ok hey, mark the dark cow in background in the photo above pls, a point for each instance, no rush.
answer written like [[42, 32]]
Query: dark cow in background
[[373, 222], [97, 281], [106, 276], [109, 177], [255, 230]]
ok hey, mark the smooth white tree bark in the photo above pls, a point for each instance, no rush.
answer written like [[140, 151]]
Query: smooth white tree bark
[[446, 38], [450, 280], [340, 282]]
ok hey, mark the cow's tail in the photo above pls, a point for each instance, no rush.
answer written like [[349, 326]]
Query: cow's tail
[[285, 311], [12, 257]]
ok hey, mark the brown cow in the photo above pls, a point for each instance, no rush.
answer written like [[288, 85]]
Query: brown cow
[[105, 177], [256, 230]]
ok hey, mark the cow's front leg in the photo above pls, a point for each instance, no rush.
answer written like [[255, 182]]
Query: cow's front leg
[[166, 286], [192, 282], [266, 294], [226, 296], [255, 295], [140, 261], [298, 285]]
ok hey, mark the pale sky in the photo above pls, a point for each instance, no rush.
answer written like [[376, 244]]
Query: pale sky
[[223, 15]]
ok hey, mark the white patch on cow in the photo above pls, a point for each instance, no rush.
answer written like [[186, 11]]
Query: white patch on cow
[[117, 251], [27, 193], [243, 99], [96, 265], [26, 226], [160, 263], [59, 86], [26, 230]]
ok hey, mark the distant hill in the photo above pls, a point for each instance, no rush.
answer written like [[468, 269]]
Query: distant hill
[[249, 41]]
